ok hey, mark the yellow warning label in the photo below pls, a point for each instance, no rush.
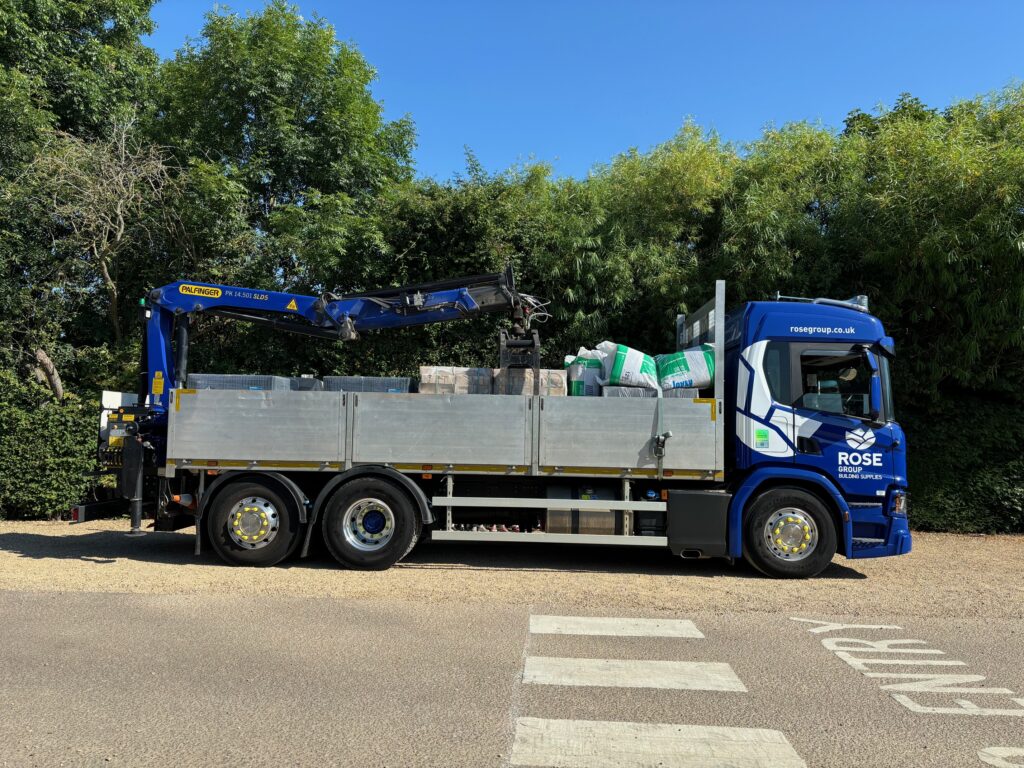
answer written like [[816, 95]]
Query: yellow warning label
[[158, 383], [199, 290], [292, 305]]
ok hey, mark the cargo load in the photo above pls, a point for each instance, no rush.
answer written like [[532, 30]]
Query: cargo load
[[394, 384], [678, 392], [305, 384], [627, 367], [688, 368], [519, 381], [250, 382], [584, 371], [453, 380]]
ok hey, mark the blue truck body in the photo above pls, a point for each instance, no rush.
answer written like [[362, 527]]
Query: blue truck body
[[783, 433], [808, 458]]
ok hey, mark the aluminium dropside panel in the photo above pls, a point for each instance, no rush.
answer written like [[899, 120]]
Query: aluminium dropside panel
[[618, 433], [481, 430], [256, 426]]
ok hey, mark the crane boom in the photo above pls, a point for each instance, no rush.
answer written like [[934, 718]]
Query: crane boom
[[167, 310]]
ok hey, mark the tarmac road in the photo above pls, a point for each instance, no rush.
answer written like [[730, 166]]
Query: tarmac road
[[119, 651]]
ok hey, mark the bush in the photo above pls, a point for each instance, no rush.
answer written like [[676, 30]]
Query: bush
[[966, 465], [47, 449]]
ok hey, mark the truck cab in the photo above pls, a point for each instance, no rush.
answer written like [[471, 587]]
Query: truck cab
[[814, 418]]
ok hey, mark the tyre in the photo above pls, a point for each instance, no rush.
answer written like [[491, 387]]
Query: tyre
[[253, 523], [370, 524], [789, 533]]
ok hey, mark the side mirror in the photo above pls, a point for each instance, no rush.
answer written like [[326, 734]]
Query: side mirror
[[875, 406]]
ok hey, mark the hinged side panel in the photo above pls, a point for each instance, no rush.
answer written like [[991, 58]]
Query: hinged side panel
[[617, 433], [261, 426], [482, 430]]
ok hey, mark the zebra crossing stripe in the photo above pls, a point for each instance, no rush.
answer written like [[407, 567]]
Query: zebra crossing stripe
[[607, 744], [613, 627], [632, 673]]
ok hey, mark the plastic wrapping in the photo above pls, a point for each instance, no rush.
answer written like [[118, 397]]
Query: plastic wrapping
[[237, 381], [627, 367], [452, 380], [584, 372], [519, 381], [679, 392], [394, 384], [688, 368]]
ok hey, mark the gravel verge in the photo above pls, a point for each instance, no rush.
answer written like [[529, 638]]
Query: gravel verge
[[945, 575]]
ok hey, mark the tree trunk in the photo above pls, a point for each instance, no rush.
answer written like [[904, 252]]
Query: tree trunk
[[49, 371], [112, 294]]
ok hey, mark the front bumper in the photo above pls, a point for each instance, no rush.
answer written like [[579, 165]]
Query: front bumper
[[897, 541]]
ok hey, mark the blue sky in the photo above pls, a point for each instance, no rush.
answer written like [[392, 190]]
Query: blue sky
[[575, 83]]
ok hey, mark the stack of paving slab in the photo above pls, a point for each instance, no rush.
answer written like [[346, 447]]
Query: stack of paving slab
[[519, 381], [453, 380]]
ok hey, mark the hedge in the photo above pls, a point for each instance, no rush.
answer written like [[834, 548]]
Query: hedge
[[47, 449]]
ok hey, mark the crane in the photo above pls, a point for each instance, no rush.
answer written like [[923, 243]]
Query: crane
[[166, 312]]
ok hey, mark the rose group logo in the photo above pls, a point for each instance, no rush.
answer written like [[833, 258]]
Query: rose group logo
[[860, 439]]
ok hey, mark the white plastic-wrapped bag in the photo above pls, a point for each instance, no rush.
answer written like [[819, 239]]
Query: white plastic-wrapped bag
[[688, 368], [584, 370], [627, 367]]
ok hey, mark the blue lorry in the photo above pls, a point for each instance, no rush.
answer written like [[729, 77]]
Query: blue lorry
[[791, 454]]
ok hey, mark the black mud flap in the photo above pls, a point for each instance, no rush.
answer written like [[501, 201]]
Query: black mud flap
[[698, 523]]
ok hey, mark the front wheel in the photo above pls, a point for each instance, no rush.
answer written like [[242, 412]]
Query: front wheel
[[789, 534], [370, 524]]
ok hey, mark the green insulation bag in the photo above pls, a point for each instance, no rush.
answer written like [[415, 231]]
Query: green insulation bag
[[689, 368]]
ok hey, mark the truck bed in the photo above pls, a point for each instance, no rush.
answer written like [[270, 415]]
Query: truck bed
[[482, 434]]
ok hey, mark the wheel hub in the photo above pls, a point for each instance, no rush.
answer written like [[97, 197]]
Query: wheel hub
[[253, 522], [368, 524], [791, 534]]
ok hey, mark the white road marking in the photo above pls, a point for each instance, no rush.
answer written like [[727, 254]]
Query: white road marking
[[931, 683], [963, 707], [854, 645], [613, 627], [861, 665], [629, 673], [994, 756], [602, 744], [828, 626]]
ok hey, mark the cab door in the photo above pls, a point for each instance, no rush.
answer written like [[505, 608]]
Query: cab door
[[837, 394]]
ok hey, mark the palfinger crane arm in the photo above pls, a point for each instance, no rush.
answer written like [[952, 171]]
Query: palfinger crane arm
[[167, 310]]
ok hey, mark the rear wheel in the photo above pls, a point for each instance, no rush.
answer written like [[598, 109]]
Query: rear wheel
[[370, 524], [253, 523], [789, 534]]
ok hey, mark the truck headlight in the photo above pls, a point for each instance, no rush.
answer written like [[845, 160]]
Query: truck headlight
[[899, 503]]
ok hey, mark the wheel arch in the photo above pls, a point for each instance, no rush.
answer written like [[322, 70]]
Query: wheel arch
[[413, 491], [767, 479]]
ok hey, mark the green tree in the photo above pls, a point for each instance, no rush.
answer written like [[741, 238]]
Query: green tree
[[84, 58], [285, 110]]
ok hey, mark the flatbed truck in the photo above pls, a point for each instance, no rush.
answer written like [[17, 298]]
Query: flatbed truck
[[791, 455]]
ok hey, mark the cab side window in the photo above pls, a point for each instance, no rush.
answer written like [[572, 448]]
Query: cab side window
[[835, 381], [776, 370]]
